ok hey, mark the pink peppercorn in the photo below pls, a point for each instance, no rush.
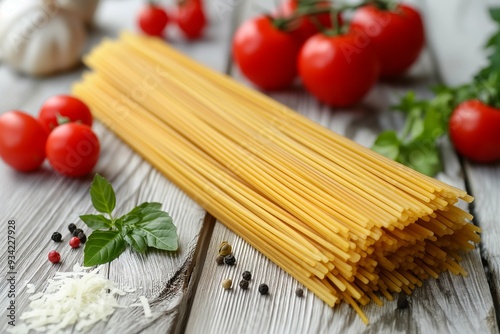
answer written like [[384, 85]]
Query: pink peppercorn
[[74, 242], [54, 256]]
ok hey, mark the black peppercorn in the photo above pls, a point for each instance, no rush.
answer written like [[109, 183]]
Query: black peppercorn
[[244, 284], [82, 237], [247, 275], [76, 232], [299, 292], [71, 228], [263, 289], [56, 236], [230, 260], [220, 260]]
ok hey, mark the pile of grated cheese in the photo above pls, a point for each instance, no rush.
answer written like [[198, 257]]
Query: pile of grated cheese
[[79, 298]]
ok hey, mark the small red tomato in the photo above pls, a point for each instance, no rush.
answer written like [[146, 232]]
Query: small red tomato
[[306, 26], [266, 55], [54, 256], [153, 20], [398, 36], [474, 129], [22, 141], [191, 19], [73, 149], [63, 109], [74, 242], [338, 70]]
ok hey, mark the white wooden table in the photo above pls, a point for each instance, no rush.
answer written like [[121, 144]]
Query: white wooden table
[[184, 288]]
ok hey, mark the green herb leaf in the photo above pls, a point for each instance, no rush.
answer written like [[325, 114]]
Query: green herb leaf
[[145, 226], [387, 144], [102, 195], [423, 157], [137, 240], [156, 225], [97, 222], [495, 14], [103, 247]]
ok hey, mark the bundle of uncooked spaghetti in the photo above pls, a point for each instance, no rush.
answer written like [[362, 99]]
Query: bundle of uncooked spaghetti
[[347, 223]]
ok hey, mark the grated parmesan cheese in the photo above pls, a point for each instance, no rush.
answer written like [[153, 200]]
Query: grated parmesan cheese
[[30, 288], [145, 305], [78, 298]]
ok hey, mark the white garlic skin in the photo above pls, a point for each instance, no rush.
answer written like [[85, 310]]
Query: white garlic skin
[[38, 37], [84, 9]]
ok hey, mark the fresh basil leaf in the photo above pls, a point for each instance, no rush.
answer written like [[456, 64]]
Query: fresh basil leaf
[[147, 206], [137, 240], [495, 14], [120, 227], [417, 127], [160, 232], [407, 103], [131, 218], [102, 195], [422, 156], [103, 247], [96, 222], [387, 144], [156, 226], [433, 126]]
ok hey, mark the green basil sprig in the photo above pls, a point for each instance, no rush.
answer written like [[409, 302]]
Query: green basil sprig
[[145, 226]]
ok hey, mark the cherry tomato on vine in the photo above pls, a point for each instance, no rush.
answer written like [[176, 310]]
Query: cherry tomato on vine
[[266, 55], [474, 130], [73, 149], [153, 20], [62, 109], [306, 26], [22, 141], [397, 35], [338, 70], [191, 19]]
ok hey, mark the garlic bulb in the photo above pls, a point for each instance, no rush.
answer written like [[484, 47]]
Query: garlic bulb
[[38, 37], [85, 9]]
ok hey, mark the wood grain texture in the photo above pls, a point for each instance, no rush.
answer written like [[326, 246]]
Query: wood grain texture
[[469, 57], [43, 202], [438, 307]]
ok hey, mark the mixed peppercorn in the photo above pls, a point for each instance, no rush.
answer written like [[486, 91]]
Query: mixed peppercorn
[[78, 237], [226, 256]]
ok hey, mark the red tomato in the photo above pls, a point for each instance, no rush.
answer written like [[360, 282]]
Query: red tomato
[[265, 55], [62, 109], [153, 20], [73, 149], [338, 70], [22, 141], [191, 18], [306, 26], [398, 36], [474, 130]]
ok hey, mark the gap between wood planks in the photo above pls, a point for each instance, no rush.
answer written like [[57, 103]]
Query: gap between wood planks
[[194, 272], [486, 266]]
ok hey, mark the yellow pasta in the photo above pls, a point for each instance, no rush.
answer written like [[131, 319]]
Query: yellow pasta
[[347, 223]]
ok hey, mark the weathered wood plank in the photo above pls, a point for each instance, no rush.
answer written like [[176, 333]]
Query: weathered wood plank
[[43, 202], [466, 50], [437, 307]]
